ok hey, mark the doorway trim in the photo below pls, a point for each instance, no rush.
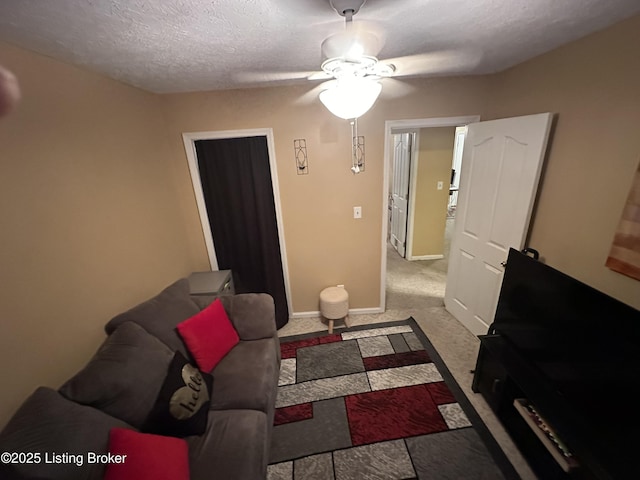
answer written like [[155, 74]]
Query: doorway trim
[[189, 139], [391, 127]]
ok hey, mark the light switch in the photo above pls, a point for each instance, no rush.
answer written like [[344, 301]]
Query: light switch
[[440, 185], [357, 212]]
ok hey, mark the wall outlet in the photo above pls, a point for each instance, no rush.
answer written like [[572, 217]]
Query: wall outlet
[[357, 212], [440, 185]]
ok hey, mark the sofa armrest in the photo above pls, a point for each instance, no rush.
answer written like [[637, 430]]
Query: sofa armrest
[[252, 314]]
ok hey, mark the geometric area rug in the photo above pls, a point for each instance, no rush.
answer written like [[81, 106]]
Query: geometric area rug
[[376, 402]]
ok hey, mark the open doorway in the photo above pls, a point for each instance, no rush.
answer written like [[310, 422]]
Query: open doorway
[[430, 209]]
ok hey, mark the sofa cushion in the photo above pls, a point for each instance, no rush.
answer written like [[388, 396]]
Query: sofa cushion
[[48, 423], [161, 314], [124, 376], [247, 377], [252, 314], [146, 457], [183, 402], [234, 447], [209, 335]]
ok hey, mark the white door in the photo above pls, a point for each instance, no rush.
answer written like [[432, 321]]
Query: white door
[[501, 165], [456, 164], [400, 191]]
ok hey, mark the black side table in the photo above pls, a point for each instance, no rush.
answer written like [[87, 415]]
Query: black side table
[[219, 282]]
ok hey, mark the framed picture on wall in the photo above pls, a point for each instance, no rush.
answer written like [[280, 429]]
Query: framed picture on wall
[[624, 256]]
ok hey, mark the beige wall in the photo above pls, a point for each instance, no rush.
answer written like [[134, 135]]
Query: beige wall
[[89, 217], [592, 86], [325, 245], [435, 157]]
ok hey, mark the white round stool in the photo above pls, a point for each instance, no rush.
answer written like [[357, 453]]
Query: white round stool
[[334, 305]]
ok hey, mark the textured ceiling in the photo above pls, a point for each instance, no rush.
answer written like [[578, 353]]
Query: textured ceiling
[[191, 45]]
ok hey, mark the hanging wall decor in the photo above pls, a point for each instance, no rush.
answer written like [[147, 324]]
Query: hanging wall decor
[[359, 152], [624, 256], [357, 148], [300, 151]]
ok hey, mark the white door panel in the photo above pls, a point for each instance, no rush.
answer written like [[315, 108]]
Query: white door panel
[[400, 191], [502, 160]]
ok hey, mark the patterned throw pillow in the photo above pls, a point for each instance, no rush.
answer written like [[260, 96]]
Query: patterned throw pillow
[[182, 406]]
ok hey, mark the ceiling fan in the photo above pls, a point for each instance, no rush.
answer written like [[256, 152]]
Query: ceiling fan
[[350, 59], [352, 71]]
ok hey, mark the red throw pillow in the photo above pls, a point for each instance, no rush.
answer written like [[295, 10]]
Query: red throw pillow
[[144, 456], [209, 335]]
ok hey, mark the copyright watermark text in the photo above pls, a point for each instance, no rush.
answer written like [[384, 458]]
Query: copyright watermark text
[[78, 459]]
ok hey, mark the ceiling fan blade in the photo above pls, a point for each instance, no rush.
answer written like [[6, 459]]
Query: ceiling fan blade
[[319, 76], [434, 63], [393, 88], [255, 78], [311, 96]]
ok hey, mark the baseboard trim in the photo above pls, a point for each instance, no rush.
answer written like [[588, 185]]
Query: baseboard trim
[[305, 314], [365, 311], [427, 257], [352, 311]]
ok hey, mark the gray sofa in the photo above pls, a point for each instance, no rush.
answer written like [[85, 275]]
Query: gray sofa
[[119, 385]]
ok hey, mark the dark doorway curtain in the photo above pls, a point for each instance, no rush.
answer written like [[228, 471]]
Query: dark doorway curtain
[[238, 193]]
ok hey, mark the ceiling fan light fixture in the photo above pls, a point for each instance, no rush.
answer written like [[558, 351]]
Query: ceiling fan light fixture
[[339, 66], [351, 97], [351, 44]]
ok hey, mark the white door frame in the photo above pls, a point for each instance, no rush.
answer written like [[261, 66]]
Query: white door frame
[[189, 139], [390, 127]]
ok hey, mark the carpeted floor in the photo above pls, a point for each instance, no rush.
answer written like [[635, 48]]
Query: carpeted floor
[[376, 402]]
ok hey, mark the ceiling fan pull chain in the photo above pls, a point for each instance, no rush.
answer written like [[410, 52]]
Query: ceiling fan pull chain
[[354, 132], [355, 167]]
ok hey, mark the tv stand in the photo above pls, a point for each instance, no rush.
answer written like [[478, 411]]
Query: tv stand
[[508, 383]]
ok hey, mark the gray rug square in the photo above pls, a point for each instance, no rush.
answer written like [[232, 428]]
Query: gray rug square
[[378, 461], [280, 471], [328, 430], [452, 455], [328, 360], [375, 346], [399, 343], [316, 467]]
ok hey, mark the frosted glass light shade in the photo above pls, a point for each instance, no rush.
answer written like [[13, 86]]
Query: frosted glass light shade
[[351, 97]]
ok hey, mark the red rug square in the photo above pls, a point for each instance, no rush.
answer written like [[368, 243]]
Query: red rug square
[[335, 337], [392, 414], [395, 360], [290, 349], [440, 393], [294, 413]]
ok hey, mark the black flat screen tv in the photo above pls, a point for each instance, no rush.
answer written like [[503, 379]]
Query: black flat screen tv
[[584, 344]]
